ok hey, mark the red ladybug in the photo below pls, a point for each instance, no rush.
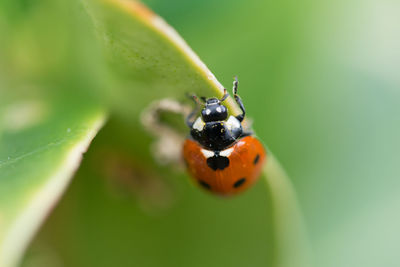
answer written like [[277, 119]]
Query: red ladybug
[[219, 154]]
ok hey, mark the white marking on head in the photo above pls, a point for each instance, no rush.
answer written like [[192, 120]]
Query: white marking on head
[[232, 123], [219, 109], [198, 124], [207, 153], [227, 152], [208, 111]]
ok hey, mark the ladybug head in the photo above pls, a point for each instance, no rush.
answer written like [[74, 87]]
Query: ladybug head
[[214, 110]]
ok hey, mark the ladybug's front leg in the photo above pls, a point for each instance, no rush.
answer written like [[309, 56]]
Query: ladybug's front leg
[[240, 117], [190, 119]]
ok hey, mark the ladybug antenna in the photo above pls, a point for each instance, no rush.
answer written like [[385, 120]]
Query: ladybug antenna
[[235, 85], [240, 117], [225, 96]]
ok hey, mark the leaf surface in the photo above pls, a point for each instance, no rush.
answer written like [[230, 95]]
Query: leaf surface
[[41, 146]]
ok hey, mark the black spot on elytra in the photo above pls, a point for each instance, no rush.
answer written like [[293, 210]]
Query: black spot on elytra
[[217, 162], [256, 159], [205, 185], [239, 182]]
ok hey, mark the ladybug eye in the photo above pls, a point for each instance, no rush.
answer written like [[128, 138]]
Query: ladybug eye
[[239, 182]]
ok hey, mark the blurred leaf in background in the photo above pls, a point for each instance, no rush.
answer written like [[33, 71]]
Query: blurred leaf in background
[[319, 78], [121, 163]]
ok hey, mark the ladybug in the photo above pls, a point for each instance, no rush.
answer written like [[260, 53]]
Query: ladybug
[[223, 157]]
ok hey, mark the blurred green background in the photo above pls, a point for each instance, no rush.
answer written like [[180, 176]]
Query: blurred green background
[[321, 81]]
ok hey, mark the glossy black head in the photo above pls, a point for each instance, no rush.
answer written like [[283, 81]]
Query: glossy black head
[[214, 111]]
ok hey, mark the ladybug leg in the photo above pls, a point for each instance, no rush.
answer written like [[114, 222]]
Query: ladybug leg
[[225, 96], [240, 117], [192, 116], [166, 146]]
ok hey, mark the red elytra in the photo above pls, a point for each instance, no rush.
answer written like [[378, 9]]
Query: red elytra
[[245, 160]]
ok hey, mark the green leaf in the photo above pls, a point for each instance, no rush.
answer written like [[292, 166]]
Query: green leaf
[[291, 246], [145, 52], [147, 60], [41, 146]]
